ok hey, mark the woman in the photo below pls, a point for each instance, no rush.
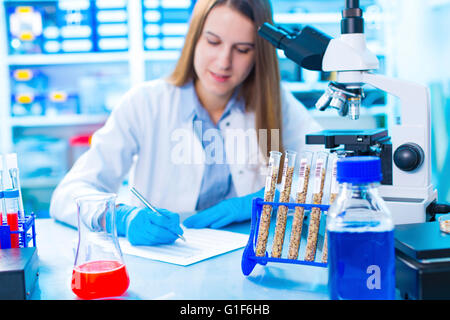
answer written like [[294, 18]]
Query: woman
[[190, 139]]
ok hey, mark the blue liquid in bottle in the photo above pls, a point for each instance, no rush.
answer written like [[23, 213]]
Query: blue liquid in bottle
[[361, 253], [361, 265]]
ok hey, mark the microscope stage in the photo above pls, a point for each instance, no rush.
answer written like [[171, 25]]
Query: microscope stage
[[335, 138]]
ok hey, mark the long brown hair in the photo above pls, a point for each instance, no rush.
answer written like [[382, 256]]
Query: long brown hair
[[261, 89]]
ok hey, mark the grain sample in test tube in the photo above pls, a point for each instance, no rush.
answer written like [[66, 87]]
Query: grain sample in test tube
[[314, 223], [286, 183], [299, 214], [334, 188], [269, 194]]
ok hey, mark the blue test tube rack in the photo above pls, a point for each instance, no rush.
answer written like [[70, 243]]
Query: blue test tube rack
[[27, 233], [249, 258]]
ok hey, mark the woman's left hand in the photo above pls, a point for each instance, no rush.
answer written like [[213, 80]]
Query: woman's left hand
[[231, 210]]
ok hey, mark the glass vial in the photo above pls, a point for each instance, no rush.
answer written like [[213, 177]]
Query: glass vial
[[319, 174], [304, 171], [286, 183], [269, 195]]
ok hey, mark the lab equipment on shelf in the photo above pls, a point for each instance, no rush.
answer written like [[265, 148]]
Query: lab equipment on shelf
[[49, 27], [42, 157], [165, 23], [79, 144], [32, 94]]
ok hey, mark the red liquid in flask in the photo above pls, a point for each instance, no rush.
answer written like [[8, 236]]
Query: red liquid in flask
[[100, 279]]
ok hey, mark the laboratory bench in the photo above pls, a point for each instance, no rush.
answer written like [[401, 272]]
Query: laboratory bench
[[217, 278]]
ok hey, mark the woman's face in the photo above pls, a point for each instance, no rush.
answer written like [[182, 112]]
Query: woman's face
[[224, 54]]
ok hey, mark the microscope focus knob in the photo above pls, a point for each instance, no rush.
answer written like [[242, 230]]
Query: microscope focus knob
[[408, 156]]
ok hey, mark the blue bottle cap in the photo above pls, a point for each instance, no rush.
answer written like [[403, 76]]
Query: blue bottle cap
[[361, 169], [11, 193], [1, 194]]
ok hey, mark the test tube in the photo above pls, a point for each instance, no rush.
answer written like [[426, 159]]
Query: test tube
[[286, 183], [299, 214], [314, 223], [269, 194], [1, 211], [12, 214], [13, 169], [2, 199], [334, 189]]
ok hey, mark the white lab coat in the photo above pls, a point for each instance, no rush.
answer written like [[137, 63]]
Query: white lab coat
[[149, 133]]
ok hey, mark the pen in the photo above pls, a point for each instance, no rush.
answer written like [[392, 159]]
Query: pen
[[148, 205]]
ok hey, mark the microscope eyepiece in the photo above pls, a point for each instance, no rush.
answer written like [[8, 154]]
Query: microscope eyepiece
[[272, 34], [305, 48], [352, 20], [352, 3]]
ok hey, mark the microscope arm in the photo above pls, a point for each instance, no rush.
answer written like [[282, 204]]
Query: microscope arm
[[415, 122], [414, 98]]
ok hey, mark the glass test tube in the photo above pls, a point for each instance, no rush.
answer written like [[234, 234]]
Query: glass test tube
[[13, 170], [2, 200], [2, 207], [334, 189], [305, 161], [12, 214], [2, 210], [269, 194], [320, 170], [14, 174], [286, 183]]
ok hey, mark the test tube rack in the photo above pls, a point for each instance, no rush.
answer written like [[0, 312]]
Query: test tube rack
[[249, 258], [26, 233]]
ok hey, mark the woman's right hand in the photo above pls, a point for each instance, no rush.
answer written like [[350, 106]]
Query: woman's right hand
[[144, 227]]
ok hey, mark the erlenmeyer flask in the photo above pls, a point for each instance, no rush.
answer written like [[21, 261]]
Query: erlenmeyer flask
[[99, 270]]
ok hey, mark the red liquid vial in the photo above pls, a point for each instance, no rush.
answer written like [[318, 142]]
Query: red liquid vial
[[100, 279], [13, 223], [1, 223]]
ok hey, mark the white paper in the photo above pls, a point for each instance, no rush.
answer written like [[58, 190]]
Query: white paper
[[200, 244]]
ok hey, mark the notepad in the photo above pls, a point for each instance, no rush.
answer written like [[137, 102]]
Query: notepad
[[200, 244]]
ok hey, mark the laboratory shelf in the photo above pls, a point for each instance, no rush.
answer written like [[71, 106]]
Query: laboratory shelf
[[66, 58], [158, 55], [62, 120]]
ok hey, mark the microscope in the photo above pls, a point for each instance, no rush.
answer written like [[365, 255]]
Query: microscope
[[405, 153]]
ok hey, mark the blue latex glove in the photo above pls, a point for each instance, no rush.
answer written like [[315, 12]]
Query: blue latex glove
[[144, 227], [228, 211]]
